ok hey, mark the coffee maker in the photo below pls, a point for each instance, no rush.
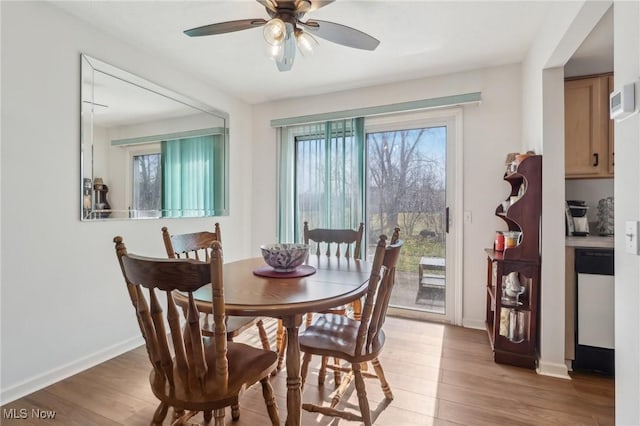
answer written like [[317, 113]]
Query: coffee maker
[[576, 215]]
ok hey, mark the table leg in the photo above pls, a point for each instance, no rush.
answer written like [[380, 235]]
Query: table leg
[[294, 381]]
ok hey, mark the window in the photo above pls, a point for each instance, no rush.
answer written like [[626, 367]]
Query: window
[[178, 177], [325, 181], [147, 182]]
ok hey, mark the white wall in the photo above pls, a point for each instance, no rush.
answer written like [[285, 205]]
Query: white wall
[[552, 301], [546, 41], [64, 304], [491, 130], [564, 30], [627, 196]]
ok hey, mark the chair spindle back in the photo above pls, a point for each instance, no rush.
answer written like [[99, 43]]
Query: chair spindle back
[[381, 283], [186, 275], [190, 246], [335, 236]]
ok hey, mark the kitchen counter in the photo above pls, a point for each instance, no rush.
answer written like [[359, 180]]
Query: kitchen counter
[[590, 241]]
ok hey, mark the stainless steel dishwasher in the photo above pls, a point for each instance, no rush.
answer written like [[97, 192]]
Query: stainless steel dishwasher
[[595, 310]]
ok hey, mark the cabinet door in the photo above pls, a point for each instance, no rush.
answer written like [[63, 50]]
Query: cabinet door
[[586, 127]]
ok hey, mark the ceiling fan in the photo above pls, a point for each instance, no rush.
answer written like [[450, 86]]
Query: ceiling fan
[[286, 30]]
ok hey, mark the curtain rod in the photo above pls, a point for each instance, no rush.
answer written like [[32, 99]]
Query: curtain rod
[[169, 136], [444, 101]]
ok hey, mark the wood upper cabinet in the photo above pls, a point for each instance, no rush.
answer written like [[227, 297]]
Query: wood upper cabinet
[[588, 138]]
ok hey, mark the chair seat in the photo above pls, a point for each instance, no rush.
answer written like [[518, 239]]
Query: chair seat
[[247, 365], [335, 335], [235, 326]]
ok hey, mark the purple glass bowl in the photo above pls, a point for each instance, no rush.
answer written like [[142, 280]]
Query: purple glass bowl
[[284, 257]]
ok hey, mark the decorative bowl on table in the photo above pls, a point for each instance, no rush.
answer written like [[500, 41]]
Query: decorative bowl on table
[[285, 257]]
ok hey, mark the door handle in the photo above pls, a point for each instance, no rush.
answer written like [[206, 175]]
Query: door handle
[[446, 220], [595, 160]]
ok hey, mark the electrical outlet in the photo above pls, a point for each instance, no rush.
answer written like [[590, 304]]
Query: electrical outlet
[[467, 216], [631, 237]]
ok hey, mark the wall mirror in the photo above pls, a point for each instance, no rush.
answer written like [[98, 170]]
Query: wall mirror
[[148, 152]]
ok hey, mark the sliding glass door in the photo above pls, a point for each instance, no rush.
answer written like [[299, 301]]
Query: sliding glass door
[[406, 168], [386, 171]]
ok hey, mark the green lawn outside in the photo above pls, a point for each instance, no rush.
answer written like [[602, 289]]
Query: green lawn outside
[[416, 245]]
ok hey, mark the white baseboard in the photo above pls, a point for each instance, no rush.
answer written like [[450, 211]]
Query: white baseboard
[[473, 323], [55, 375], [553, 369], [560, 371]]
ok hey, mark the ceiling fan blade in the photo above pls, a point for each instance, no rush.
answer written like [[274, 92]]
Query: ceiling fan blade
[[225, 27], [341, 34]]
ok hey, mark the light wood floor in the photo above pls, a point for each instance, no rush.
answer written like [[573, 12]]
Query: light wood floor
[[440, 375]]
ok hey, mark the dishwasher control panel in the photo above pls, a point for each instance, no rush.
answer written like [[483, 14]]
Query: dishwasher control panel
[[594, 261]]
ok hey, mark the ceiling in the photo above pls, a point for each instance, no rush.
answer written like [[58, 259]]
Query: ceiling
[[417, 39]]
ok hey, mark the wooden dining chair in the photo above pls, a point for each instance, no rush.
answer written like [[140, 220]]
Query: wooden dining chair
[[328, 237], [196, 246], [349, 238], [356, 341], [192, 373], [323, 242], [327, 242]]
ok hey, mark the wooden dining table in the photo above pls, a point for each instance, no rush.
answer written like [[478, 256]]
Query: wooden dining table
[[335, 282]]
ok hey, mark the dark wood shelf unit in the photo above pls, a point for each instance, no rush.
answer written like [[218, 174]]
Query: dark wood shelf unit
[[513, 328], [525, 213]]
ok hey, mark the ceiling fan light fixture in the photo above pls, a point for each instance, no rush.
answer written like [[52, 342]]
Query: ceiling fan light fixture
[[306, 43], [275, 31], [286, 32], [303, 6], [275, 51]]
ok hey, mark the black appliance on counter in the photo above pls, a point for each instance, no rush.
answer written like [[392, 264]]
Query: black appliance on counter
[[595, 311], [576, 215]]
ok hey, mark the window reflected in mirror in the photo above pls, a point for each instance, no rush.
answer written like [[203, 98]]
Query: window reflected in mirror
[[148, 152], [147, 182]]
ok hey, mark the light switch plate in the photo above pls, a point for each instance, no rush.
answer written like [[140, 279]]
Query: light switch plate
[[467, 216], [631, 237]]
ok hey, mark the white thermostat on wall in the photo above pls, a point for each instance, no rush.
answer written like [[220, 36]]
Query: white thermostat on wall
[[622, 101]]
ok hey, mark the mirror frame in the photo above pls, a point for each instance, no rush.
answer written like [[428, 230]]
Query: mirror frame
[[86, 134]]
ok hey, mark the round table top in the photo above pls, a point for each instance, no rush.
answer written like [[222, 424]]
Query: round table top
[[337, 281]]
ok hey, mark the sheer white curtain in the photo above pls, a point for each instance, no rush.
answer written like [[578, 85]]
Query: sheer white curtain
[[321, 176]]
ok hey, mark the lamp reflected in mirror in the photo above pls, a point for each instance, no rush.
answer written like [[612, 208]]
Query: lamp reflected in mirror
[[157, 153]]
